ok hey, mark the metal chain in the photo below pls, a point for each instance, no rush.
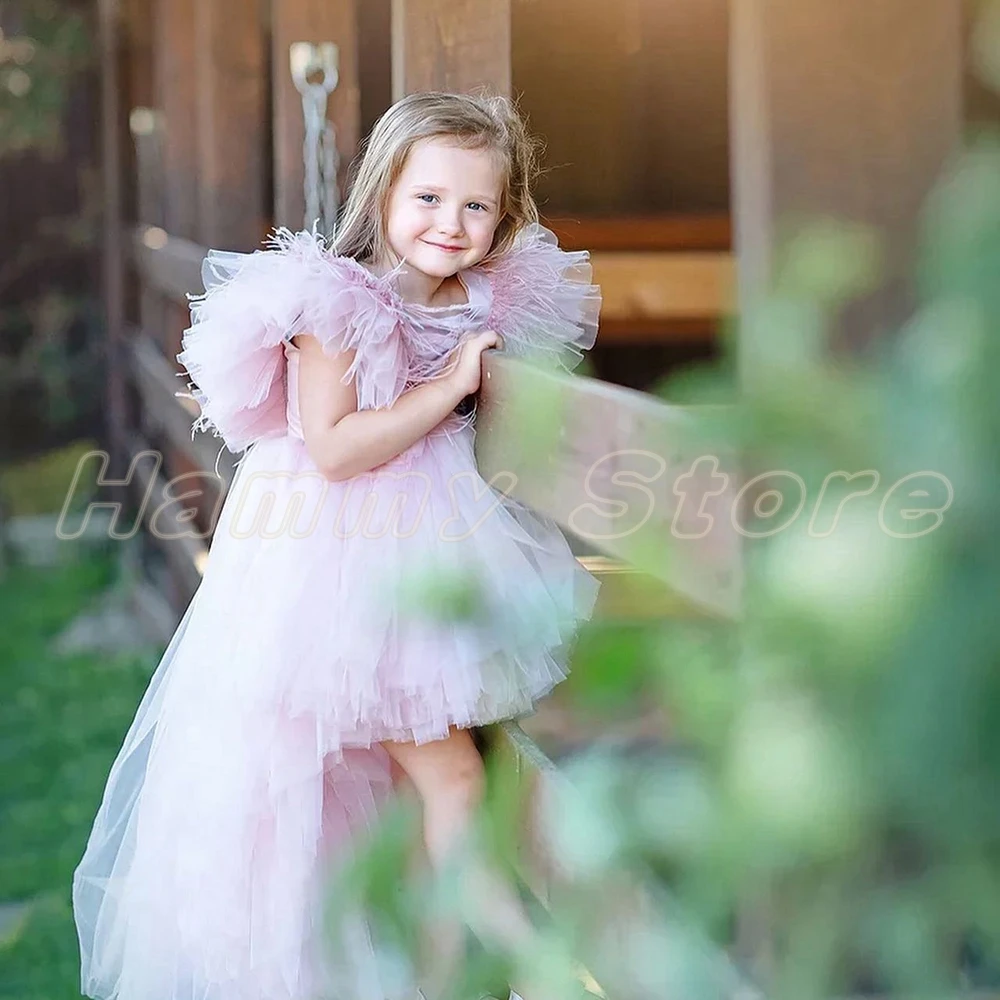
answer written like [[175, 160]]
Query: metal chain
[[319, 152]]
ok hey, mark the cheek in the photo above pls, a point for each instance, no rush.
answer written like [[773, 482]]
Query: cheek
[[405, 220], [483, 229]]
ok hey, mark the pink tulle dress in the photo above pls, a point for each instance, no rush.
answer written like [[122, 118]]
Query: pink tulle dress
[[254, 762]]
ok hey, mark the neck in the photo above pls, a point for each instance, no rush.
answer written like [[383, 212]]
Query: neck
[[416, 287], [419, 288]]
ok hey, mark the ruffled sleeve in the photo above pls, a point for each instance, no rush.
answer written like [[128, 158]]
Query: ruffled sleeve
[[233, 351], [543, 303]]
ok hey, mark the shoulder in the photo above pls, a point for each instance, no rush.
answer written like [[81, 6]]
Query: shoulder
[[536, 269], [294, 281], [284, 254], [535, 260], [256, 304], [543, 301], [311, 250]]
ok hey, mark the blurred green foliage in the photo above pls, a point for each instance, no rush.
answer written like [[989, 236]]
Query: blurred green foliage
[[51, 344], [37, 68]]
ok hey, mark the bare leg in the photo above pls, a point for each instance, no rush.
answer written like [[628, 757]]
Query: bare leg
[[449, 778]]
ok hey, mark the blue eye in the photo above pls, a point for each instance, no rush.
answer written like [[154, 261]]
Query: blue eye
[[422, 197], [477, 206]]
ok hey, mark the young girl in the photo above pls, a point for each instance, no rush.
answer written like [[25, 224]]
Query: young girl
[[308, 667]]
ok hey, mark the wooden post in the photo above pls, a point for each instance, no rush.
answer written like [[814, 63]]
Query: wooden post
[[113, 263], [143, 157], [138, 89], [231, 104], [374, 60], [453, 45], [313, 21], [848, 110], [177, 84], [177, 87]]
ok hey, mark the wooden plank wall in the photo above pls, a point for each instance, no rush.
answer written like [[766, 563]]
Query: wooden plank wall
[[847, 110], [456, 45], [231, 173], [193, 88], [314, 21]]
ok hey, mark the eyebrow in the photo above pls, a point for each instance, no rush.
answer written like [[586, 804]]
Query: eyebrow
[[438, 190]]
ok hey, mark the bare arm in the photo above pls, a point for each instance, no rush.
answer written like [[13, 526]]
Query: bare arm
[[344, 441]]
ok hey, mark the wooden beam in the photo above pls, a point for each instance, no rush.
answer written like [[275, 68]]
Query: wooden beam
[[175, 26], [176, 85], [169, 264], [146, 124], [646, 483], [628, 595], [644, 233], [156, 380], [374, 60], [847, 110], [638, 286], [652, 330], [138, 87], [113, 258], [314, 21], [231, 65], [185, 555], [453, 45]]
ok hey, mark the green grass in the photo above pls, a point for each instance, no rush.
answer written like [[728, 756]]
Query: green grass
[[39, 485], [41, 960], [62, 720]]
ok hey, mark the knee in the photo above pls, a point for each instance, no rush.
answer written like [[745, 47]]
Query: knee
[[459, 787]]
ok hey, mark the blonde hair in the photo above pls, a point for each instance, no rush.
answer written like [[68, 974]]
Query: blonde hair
[[486, 122]]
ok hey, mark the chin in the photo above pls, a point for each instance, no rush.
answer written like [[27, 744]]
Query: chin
[[442, 266], [432, 265]]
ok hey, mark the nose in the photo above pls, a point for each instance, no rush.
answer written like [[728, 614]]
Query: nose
[[450, 221]]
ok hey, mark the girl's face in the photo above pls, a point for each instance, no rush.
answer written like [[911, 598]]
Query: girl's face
[[443, 208]]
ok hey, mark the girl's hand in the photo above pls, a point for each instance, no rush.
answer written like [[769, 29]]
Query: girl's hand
[[465, 365]]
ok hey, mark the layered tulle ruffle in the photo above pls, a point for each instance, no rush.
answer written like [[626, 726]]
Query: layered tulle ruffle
[[253, 302], [538, 297], [543, 302]]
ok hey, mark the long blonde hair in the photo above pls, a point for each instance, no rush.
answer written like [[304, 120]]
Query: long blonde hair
[[486, 122]]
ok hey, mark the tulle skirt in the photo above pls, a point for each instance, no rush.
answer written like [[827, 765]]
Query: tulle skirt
[[331, 617]]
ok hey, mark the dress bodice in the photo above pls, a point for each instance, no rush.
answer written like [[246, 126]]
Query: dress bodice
[[431, 332]]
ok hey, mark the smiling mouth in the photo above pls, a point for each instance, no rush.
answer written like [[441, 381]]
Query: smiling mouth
[[445, 247]]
